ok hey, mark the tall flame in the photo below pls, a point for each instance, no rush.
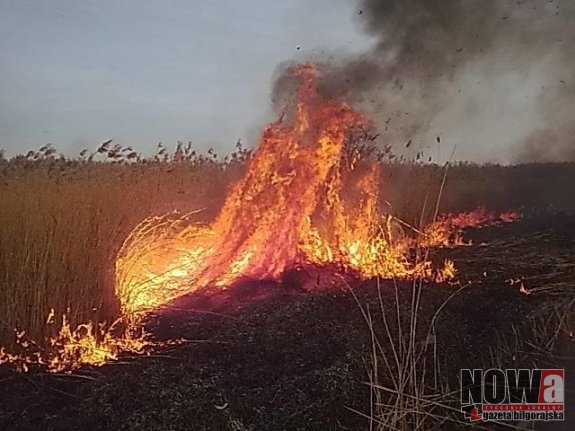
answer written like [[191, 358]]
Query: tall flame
[[307, 198], [304, 199]]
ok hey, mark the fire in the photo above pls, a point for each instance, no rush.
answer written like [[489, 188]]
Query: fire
[[94, 345], [87, 344], [305, 199], [447, 231], [289, 209]]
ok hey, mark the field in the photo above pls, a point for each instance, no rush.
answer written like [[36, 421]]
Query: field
[[292, 354]]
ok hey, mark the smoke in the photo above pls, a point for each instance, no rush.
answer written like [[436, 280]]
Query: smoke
[[494, 77]]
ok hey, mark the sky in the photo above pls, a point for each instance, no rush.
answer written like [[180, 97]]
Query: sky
[[75, 73]]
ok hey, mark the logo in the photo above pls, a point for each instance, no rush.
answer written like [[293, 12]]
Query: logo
[[513, 395]]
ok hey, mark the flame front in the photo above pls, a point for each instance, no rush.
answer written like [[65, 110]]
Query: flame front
[[73, 347], [306, 198]]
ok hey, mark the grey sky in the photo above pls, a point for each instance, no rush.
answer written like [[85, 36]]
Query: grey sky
[[77, 72]]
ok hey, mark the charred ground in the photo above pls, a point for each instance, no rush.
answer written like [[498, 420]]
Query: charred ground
[[297, 354]]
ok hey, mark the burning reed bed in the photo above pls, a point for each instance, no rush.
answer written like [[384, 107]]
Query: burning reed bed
[[63, 221]]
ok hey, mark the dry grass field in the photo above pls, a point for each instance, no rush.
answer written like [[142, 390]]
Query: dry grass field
[[62, 221]]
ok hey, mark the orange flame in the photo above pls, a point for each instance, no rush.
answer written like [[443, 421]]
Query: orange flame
[[303, 200], [447, 231], [87, 344]]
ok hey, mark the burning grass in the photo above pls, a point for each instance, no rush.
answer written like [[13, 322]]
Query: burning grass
[[62, 222], [312, 193], [306, 199], [87, 344], [309, 196]]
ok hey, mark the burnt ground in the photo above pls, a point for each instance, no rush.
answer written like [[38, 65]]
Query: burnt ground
[[296, 354]]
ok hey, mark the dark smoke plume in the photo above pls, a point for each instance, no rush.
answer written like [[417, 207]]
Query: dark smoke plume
[[498, 75]]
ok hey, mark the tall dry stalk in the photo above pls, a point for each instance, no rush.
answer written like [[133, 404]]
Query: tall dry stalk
[[63, 221]]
